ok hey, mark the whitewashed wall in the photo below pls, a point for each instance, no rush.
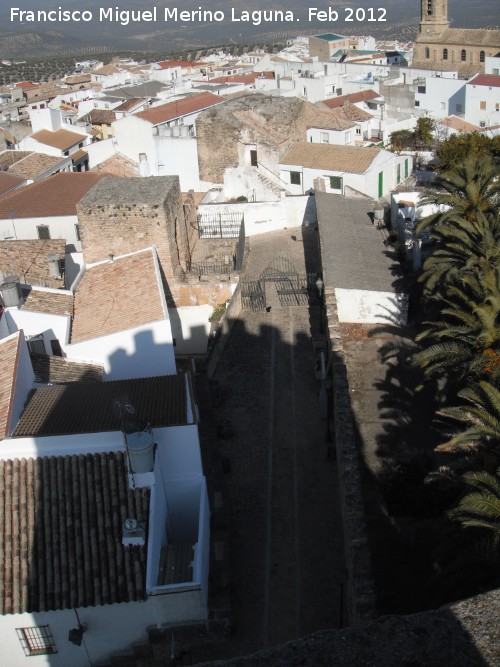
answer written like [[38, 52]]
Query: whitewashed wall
[[33, 324], [60, 227], [368, 307], [144, 351], [24, 381], [110, 629], [190, 328]]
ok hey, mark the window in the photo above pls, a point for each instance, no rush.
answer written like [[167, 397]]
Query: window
[[497, 106], [55, 346], [335, 183], [295, 177], [324, 137], [443, 106], [481, 56], [417, 103], [463, 55], [421, 89], [482, 123], [459, 108], [445, 54], [482, 105], [36, 344], [358, 130], [495, 71], [66, 153], [427, 53], [43, 232], [36, 641], [80, 145]]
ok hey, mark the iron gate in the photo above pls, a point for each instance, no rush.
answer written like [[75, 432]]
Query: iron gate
[[280, 284]]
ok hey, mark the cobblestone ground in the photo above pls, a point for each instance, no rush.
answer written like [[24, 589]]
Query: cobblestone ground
[[280, 495]]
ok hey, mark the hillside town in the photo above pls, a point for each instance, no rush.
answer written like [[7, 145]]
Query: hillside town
[[222, 282]]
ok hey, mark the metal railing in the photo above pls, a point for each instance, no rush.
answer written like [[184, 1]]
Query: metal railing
[[219, 225]]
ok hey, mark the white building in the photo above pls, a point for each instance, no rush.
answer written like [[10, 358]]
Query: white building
[[440, 97], [104, 485], [114, 316], [482, 100], [162, 138], [346, 170]]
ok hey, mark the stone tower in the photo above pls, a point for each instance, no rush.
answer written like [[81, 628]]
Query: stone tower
[[434, 16]]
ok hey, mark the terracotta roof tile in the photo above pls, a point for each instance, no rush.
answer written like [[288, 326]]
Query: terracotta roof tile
[[132, 103], [236, 78], [351, 159], [52, 196], [463, 36], [334, 119], [89, 407], [171, 110], [78, 155], [29, 260], [456, 123], [490, 80], [35, 164], [9, 351], [54, 302], [58, 370], [103, 302], [118, 165], [61, 533], [8, 182], [107, 70], [61, 139], [101, 116], [167, 64], [353, 98]]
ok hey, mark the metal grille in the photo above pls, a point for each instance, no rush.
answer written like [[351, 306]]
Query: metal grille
[[210, 268], [36, 641], [219, 225], [279, 289]]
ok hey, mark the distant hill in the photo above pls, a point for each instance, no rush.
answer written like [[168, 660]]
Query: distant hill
[[57, 38]]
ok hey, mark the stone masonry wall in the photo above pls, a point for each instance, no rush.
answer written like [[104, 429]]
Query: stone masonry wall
[[360, 590], [122, 228]]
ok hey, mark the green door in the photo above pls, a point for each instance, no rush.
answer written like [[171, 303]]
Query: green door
[[406, 168], [398, 173], [381, 183]]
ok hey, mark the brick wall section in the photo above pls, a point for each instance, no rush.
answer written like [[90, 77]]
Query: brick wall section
[[360, 590], [122, 215], [218, 343]]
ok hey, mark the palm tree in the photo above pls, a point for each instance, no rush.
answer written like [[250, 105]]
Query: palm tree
[[479, 418], [464, 344], [481, 508], [470, 189]]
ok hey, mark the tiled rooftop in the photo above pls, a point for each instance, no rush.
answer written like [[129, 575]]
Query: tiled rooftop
[[465, 36], [9, 351], [53, 196], [118, 165], [61, 139], [103, 303], [489, 80], [332, 120], [171, 110], [52, 302], [101, 116], [58, 370], [353, 98], [132, 103], [8, 182], [61, 524], [34, 165], [88, 407], [28, 259], [459, 124], [350, 159]]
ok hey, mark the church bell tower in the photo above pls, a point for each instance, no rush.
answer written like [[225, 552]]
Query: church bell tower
[[434, 16]]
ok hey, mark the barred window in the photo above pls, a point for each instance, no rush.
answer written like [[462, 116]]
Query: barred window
[[36, 641]]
